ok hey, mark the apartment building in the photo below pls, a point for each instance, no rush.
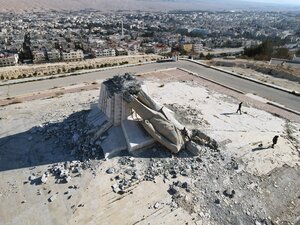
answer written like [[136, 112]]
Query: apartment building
[[38, 57], [76, 55], [10, 60], [53, 56]]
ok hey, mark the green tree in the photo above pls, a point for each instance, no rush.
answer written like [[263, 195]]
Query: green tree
[[260, 52], [282, 53], [209, 56], [202, 56]]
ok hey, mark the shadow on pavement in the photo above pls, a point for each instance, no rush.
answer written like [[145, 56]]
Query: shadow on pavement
[[63, 141], [47, 144], [229, 114]]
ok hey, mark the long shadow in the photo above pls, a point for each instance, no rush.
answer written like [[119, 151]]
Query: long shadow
[[260, 148], [47, 144], [63, 141], [229, 114]]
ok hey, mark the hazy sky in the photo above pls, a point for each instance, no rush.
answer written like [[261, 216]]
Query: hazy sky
[[295, 2]]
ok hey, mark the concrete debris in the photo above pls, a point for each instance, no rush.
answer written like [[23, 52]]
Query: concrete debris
[[75, 138], [52, 198], [124, 83], [68, 179], [202, 139], [32, 177], [44, 178], [217, 201], [110, 170], [156, 205], [203, 179], [229, 194]]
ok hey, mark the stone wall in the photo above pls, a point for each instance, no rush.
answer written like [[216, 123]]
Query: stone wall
[[23, 71]]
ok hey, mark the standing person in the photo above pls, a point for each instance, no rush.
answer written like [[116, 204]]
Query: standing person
[[275, 139], [239, 108]]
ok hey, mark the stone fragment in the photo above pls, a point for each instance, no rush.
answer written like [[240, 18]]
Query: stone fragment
[[217, 201], [173, 190], [44, 178], [110, 170], [156, 205], [52, 198], [229, 194], [32, 177], [75, 138], [68, 179]]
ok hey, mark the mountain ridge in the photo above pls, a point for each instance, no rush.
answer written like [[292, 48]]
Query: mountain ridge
[[152, 5]]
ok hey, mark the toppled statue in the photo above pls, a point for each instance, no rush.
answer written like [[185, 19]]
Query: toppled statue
[[161, 125], [154, 122], [122, 95]]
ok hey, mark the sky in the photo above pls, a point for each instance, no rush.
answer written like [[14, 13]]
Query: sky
[[294, 2]]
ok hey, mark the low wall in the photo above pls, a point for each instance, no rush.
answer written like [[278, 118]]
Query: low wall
[[24, 71]]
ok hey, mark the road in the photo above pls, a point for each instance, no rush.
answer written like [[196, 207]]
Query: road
[[281, 97]]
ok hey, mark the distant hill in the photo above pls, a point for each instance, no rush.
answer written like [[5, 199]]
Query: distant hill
[[147, 5]]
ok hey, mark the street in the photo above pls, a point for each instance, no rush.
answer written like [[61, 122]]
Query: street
[[278, 96]]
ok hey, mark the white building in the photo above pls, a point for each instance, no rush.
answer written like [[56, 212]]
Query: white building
[[53, 56], [38, 57], [73, 55], [197, 48], [11, 60], [296, 59], [104, 53]]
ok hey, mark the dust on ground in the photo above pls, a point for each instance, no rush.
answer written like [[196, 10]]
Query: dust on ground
[[280, 75], [244, 181]]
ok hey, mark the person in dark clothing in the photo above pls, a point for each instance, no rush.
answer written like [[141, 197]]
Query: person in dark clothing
[[275, 139], [239, 108]]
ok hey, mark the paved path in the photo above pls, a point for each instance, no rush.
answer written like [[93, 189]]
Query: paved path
[[283, 98]]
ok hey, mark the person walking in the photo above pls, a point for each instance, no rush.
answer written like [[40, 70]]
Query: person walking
[[275, 139], [239, 108]]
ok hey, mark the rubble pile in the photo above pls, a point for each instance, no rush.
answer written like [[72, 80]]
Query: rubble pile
[[120, 84], [74, 134]]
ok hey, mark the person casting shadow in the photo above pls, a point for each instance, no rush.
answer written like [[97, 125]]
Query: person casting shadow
[[239, 108]]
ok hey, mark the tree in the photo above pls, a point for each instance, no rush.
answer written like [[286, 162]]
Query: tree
[[202, 56], [260, 52], [282, 53], [209, 56], [298, 53]]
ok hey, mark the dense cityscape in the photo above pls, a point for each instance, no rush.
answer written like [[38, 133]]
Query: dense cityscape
[[60, 36]]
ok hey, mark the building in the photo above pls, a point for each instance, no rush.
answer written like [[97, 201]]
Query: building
[[121, 51], [53, 56], [73, 55], [11, 60], [197, 48], [187, 47], [38, 57], [162, 49], [97, 53], [296, 59]]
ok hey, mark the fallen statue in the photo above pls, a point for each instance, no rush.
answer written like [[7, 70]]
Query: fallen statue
[[163, 127]]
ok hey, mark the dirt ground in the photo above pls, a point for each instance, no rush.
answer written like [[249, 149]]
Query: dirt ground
[[285, 83], [282, 76], [244, 181]]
